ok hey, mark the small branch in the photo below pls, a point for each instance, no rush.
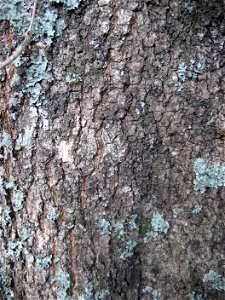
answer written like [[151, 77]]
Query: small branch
[[24, 44]]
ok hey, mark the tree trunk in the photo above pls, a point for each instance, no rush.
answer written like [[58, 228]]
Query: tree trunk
[[103, 119]]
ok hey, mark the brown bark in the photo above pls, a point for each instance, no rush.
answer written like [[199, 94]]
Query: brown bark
[[111, 150]]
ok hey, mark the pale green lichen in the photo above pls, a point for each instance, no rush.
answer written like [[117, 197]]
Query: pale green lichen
[[191, 71], [17, 12], [132, 225], [25, 139], [18, 195], [196, 209], [104, 225], [179, 86], [59, 27], [188, 6], [6, 140], [129, 242], [10, 184], [153, 201], [158, 226], [137, 194], [208, 176], [43, 262], [149, 290], [26, 233], [195, 296], [177, 211], [158, 83], [17, 200], [5, 280], [15, 81], [88, 293], [181, 71], [14, 249], [214, 280], [129, 248], [4, 216], [63, 282], [100, 295], [30, 257], [35, 73], [119, 229], [53, 213], [44, 26], [2, 183]]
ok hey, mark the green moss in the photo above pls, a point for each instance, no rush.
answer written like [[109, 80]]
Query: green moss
[[197, 19], [97, 76], [82, 34], [144, 227], [76, 68]]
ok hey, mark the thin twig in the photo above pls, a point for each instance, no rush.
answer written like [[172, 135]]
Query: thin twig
[[25, 42]]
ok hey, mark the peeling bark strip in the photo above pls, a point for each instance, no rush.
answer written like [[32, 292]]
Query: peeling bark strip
[[112, 154]]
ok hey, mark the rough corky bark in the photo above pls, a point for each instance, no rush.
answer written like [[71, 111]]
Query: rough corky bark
[[109, 208]]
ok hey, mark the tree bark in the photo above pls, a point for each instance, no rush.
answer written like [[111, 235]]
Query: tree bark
[[97, 183]]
